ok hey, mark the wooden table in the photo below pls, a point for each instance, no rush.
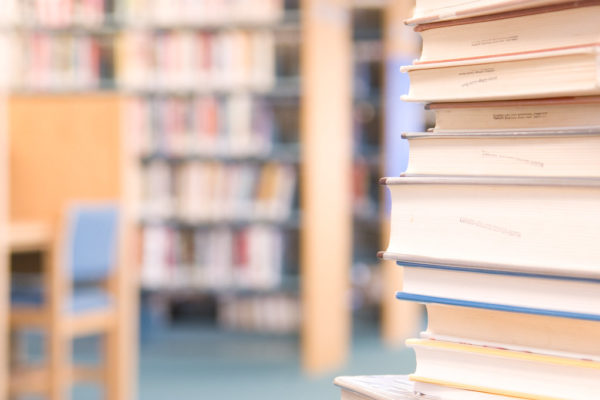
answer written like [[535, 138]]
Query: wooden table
[[28, 236]]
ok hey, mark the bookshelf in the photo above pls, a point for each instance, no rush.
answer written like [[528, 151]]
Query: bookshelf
[[62, 48], [209, 104], [367, 119], [326, 184]]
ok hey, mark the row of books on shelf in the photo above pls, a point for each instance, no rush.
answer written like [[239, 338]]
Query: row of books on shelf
[[272, 313], [218, 258], [496, 219], [234, 125], [61, 61], [56, 13], [93, 13], [192, 60], [199, 192], [201, 12]]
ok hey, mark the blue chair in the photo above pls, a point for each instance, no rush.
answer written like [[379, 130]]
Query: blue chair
[[76, 297]]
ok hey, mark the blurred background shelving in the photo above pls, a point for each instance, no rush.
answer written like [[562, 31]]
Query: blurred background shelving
[[212, 106], [212, 149]]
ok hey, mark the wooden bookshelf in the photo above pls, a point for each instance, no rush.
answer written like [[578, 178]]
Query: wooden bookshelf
[[188, 92], [326, 184]]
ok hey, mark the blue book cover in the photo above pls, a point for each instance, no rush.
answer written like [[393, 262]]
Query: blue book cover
[[491, 306], [411, 264]]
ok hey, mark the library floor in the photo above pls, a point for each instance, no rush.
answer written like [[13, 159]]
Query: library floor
[[199, 362]]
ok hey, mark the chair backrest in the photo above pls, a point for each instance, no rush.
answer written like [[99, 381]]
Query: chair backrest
[[91, 241]]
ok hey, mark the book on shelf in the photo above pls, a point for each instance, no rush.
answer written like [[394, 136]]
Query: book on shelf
[[549, 73], [212, 258], [62, 61], [557, 26], [562, 153], [192, 60], [199, 191], [199, 13], [61, 13], [238, 125], [427, 11], [268, 313], [567, 114], [521, 374], [522, 224]]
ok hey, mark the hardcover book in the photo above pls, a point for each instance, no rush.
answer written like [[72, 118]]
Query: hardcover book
[[536, 225]]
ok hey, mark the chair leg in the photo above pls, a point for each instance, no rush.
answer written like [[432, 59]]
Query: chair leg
[[111, 365], [60, 364], [18, 348]]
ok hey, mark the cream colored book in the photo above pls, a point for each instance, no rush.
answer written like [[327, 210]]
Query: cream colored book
[[552, 295], [551, 114], [531, 153], [555, 73], [546, 334], [558, 26], [546, 226], [504, 372], [440, 10]]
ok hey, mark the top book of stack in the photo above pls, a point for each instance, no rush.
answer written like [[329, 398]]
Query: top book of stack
[[427, 11], [528, 53]]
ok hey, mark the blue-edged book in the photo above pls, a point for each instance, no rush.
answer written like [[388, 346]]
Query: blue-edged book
[[529, 293]]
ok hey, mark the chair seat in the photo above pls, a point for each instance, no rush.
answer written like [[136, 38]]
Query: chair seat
[[81, 300]]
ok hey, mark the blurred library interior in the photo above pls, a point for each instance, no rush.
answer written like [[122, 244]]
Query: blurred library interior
[[189, 198]]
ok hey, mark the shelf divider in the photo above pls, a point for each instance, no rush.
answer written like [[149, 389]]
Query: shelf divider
[[325, 172]]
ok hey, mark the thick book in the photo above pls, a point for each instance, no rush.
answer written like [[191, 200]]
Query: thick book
[[501, 153], [427, 11], [554, 73], [504, 372], [552, 114], [546, 294], [546, 226], [558, 26], [544, 334]]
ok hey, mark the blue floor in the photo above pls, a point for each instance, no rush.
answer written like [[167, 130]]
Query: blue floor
[[199, 362]]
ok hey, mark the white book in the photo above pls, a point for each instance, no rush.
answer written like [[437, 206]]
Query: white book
[[544, 334], [552, 295], [504, 372], [552, 27], [528, 153], [551, 114], [542, 225], [439, 10], [555, 73]]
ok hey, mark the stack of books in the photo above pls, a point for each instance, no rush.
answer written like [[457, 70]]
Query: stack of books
[[496, 219]]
